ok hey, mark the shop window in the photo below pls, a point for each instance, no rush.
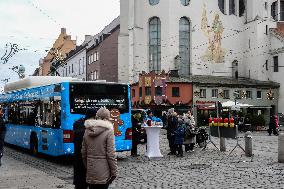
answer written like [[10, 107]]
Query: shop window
[[175, 92]]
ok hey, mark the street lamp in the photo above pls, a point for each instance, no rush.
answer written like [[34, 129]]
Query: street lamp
[[236, 95], [20, 70]]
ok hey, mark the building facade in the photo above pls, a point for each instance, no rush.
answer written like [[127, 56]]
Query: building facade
[[252, 96], [227, 38], [74, 64], [161, 91], [102, 57], [63, 45]]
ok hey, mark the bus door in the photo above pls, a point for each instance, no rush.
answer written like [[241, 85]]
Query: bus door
[[48, 142]]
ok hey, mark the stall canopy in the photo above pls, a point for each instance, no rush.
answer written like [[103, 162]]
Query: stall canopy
[[230, 103]]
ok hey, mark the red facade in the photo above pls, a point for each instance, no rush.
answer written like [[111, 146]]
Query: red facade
[[157, 90]]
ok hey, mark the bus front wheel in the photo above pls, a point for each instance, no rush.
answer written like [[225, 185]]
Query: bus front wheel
[[34, 145]]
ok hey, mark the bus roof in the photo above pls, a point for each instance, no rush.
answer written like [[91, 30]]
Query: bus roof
[[36, 81]]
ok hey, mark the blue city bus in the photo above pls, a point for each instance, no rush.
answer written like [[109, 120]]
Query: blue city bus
[[41, 118]]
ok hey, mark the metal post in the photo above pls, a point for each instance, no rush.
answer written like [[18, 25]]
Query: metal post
[[248, 144], [281, 148], [222, 144]]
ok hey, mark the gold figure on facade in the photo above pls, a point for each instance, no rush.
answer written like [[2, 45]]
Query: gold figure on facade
[[214, 52]]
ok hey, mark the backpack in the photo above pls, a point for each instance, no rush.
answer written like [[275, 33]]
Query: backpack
[[189, 132]]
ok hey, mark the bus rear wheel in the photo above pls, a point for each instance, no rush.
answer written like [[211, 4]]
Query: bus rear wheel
[[34, 146]]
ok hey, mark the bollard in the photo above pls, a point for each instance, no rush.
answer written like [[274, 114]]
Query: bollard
[[281, 148], [248, 144], [222, 144]]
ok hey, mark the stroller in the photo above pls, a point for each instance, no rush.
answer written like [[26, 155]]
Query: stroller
[[201, 137]]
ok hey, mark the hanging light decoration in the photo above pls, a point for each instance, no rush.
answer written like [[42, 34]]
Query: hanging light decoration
[[244, 94], [196, 93], [270, 95]]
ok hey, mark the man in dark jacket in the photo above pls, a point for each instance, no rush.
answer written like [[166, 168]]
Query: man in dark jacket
[[78, 165], [136, 126], [2, 134], [171, 128], [272, 126]]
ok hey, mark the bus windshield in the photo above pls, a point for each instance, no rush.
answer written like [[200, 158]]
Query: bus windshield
[[95, 95]]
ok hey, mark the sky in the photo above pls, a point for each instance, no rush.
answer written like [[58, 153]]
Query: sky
[[34, 25]]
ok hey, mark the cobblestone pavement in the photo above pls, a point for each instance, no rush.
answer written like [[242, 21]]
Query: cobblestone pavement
[[207, 168]]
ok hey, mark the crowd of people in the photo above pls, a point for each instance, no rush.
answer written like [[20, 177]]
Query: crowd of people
[[95, 163], [180, 131]]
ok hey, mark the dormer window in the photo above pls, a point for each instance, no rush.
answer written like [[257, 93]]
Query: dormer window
[[154, 2], [184, 2]]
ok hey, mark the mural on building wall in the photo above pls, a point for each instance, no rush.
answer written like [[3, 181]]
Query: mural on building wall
[[160, 82], [214, 51]]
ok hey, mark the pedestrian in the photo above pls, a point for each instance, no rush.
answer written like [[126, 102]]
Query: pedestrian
[[79, 169], [2, 134], [272, 126], [149, 118], [98, 151], [136, 127], [189, 135], [164, 119], [179, 138], [172, 125]]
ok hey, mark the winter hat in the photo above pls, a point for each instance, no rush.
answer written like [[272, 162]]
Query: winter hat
[[171, 111], [137, 115], [103, 113], [91, 113]]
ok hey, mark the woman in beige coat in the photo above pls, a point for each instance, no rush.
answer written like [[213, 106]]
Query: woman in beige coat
[[98, 151]]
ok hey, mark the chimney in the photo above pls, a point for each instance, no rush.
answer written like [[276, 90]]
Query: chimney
[[173, 73], [63, 30]]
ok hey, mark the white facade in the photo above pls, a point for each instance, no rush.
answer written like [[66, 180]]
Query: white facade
[[75, 65], [240, 43]]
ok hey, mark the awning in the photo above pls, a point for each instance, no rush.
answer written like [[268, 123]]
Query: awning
[[229, 104], [260, 107]]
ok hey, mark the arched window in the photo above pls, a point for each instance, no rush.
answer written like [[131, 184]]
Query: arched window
[[274, 10], [242, 7], [232, 7], [154, 2], [281, 10], [221, 4], [184, 2], [184, 46], [155, 44]]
